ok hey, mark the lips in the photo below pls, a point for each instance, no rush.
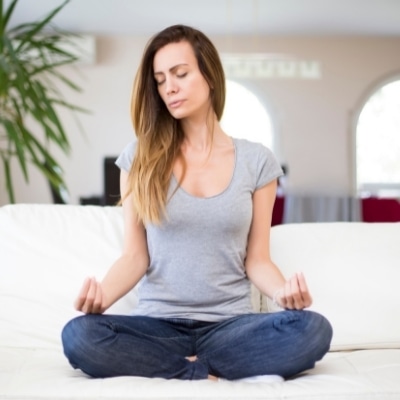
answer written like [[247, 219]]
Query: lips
[[175, 104]]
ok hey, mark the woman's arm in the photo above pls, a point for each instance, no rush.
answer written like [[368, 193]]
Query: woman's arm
[[262, 272], [127, 270]]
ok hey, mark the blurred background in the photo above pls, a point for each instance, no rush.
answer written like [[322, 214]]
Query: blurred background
[[317, 81]]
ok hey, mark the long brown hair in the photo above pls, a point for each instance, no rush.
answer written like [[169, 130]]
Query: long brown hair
[[159, 135]]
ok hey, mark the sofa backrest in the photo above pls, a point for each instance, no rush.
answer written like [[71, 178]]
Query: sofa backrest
[[353, 272], [46, 252]]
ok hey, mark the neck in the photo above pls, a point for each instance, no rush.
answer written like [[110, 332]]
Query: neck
[[203, 136]]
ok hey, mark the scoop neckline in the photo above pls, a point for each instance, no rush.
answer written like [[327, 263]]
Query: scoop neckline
[[184, 191]]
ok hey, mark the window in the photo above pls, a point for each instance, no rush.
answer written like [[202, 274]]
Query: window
[[378, 143], [245, 117]]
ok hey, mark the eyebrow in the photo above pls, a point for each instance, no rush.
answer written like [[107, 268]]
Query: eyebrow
[[172, 69]]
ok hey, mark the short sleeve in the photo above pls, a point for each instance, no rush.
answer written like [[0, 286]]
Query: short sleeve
[[268, 167], [124, 160]]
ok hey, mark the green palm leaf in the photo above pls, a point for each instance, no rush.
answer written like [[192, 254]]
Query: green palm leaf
[[30, 77]]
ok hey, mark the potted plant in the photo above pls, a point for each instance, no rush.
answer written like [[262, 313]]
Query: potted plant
[[31, 55]]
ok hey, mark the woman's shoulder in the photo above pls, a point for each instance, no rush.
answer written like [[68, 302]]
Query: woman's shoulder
[[124, 160], [259, 159], [252, 150]]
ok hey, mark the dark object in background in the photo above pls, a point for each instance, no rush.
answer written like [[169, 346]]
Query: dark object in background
[[111, 172], [90, 201], [111, 192]]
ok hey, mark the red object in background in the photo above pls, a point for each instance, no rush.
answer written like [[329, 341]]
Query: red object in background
[[277, 212], [373, 209], [380, 210]]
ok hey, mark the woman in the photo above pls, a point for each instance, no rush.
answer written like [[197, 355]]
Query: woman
[[197, 213]]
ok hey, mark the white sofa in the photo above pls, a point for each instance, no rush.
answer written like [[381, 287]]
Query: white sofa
[[46, 251]]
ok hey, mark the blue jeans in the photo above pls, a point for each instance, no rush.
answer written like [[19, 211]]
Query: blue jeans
[[283, 343]]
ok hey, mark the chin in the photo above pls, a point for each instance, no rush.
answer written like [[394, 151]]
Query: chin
[[178, 114]]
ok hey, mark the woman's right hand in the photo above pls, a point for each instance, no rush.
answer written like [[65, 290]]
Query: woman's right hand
[[295, 294], [91, 298]]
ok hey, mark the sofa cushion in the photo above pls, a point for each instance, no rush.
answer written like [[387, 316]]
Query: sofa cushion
[[44, 374], [46, 251], [353, 272]]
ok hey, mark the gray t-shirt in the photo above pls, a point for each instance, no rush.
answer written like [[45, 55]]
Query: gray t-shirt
[[197, 256]]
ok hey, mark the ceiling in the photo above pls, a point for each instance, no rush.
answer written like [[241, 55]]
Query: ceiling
[[220, 17]]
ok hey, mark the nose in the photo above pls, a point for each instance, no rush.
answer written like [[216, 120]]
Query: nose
[[170, 86]]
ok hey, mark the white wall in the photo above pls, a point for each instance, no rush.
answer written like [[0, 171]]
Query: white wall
[[313, 118]]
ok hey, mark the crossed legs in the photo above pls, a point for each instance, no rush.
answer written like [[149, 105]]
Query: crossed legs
[[283, 343]]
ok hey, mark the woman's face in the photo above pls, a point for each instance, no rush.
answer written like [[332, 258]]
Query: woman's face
[[180, 83]]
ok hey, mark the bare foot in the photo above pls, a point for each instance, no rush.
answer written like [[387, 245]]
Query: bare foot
[[193, 359]]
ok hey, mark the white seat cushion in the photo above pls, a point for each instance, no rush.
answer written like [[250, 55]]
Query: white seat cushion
[[43, 374]]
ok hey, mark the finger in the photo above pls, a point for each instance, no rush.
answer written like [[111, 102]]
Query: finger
[[302, 282], [298, 302], [98, 301], [288, 300], [305, 293], [91, 295], [80, 300]]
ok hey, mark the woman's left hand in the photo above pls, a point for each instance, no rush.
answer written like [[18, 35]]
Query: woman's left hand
[[295, 294]]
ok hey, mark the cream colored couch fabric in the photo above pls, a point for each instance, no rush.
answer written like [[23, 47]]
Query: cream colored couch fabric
[[46, 251]]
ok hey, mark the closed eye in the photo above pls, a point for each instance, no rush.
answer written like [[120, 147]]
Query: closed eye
[[180, 76]]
